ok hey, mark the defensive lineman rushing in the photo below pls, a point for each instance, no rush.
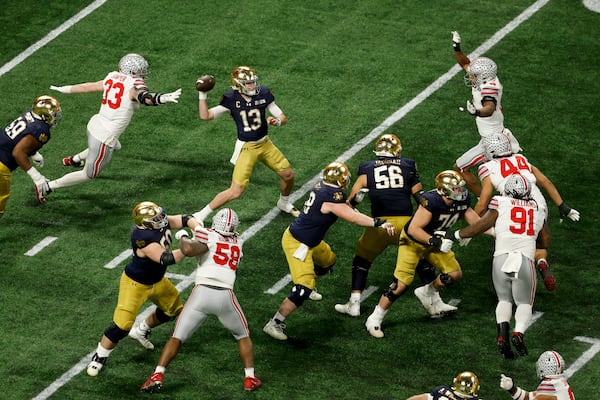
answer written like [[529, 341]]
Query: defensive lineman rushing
[[517, 219], [123, 92], [389, 181], [423, 238], [218, 251], [307, 254], [19, 144], [485, 106], [500, 164], [248, 103]]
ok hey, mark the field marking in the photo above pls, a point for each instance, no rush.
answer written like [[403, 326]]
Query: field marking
[[269, 216], [585, 357], [119, 259], [40, 246]]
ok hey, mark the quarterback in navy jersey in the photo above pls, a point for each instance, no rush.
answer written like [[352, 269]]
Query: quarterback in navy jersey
[[20, 142], [423, 238], [307, 254], [390, 182], [144, 279], [248, 104], [465, 386]]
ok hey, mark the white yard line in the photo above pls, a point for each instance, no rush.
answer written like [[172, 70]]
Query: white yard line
[[267, 218], [40, 246]]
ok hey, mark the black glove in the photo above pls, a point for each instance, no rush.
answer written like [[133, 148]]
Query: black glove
[[377, 222], [435, 241]]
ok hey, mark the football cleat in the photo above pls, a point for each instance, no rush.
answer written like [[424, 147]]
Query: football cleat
[[141, 336], [315, 296], [505, 349], [275, 330], [251, 383], [426, 300], [288, 208], [440, 307], [374, 327], [547, 275], [154, 383], [351, 308], [519, 343], [69, 162], [94, 367]]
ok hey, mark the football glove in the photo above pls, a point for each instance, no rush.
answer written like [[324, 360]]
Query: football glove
[[181, 233], [37, 159], [40, 184], [456, 40], [172, 97], [62, 89], [568, 212], [440, 241], [506, 382], [471, 108], [359, 197]]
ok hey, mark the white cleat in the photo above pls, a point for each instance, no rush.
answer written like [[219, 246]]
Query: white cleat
[[374, 327], [315, 296], [94, 367], [141, 336], [275, 330], [440, 307], [426, 300], [350, 308], [288, 208]]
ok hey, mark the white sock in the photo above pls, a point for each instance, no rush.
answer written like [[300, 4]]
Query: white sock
[[284, 199], [523, 315], [354, 297], [204, 213], [102, 352], [379, 312], [278, 317], [249, 372], [160, 368], [144, 326]]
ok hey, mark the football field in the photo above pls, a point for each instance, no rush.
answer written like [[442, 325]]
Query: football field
[[343, 73]]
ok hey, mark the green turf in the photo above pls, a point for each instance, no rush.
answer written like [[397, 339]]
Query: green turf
[[338, 70]]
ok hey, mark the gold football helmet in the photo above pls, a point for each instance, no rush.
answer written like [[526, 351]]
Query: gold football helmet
[[48, 109], [242, 75], [449, 183], [337, 174], [148, 215], [388, 145], [466, 383]]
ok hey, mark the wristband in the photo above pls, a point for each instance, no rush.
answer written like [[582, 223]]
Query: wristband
[[457, 235], [277, 121], [34, 174], [378, 222], [201, 95], [456, 46], [184, 219]]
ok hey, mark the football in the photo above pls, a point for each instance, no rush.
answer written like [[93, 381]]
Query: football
[[205, 83]]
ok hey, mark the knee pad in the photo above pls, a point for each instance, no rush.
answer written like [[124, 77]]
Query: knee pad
[[299, 294], [426, 272], [446, 279], [389, 292], [320, 271], [114, 333], [162, 317]]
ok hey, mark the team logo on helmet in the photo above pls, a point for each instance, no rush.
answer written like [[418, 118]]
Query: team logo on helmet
[[148, 215], [388, 145], [225, 222], [466, 383], [449, 183], [240, 76], [48, 109], [337, 174]]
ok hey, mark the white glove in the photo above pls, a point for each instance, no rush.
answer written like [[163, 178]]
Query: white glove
[[40, 183], [471, 108], [506, 382], [390, 228], [170, 97], [37, 159], [62, 89], [568, 212], [359, 197], [181, 233], [446, 244], [455, 37]]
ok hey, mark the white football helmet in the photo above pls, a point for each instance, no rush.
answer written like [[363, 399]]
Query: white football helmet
[[225, 222], [517, 187], [466, 384], [242, 75], [496, 145], [134, 64], [148, 215], [550, 364], [449, 183], [388, 145], [48, 109], [480, 71]]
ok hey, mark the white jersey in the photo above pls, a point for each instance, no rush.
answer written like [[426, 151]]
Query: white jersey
[[117, 108], [499, 169], [558, 387], [217, 267], [517, 226], [495, 122]]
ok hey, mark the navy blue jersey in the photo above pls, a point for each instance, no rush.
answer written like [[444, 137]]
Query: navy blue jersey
[[443, 216], [144, 270], [312, 225], [390, 181], [445, 393], [26, 124], [250, 116]]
